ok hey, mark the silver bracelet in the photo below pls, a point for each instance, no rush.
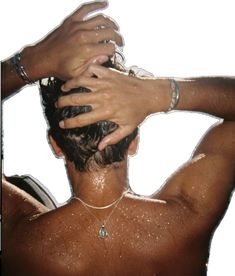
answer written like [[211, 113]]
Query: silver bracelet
[[175, 95], [15, 60]]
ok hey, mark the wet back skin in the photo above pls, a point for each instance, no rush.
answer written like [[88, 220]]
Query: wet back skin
[[146, 237]]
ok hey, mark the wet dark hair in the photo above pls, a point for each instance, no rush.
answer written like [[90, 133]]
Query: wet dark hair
[[80, 144]]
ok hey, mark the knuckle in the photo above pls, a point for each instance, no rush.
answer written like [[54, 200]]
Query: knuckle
[[101, 18], [82, 36], [72, 74], [91, 67], [73, 123], [109, 31], [106, 96], [109, 20], [79, 80], [111, 48], [67, 20], [78, 122], [83, 8], [87, 50], [74, 99], [75, 26], [108, 112]]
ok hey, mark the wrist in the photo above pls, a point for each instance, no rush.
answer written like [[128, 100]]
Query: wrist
[[33, 63], [159, 96]]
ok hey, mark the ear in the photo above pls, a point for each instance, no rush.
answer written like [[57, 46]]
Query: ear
[[56, 149], [133, 147]]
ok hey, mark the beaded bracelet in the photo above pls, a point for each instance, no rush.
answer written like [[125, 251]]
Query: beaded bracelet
[[15, 60]]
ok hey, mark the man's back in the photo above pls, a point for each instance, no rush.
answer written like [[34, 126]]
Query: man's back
[[146, 237]]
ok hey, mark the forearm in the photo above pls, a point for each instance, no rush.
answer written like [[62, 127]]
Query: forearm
[[128, 100], [67, 51], [215, 96], [11, 82]]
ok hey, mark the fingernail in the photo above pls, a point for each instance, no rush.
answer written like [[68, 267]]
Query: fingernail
[[61, 124], [101, 59], [102, 146], [64, 89], [103, 1]]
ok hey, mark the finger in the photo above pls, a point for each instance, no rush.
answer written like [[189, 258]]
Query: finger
[[97, 70], [98, 60], [114, 137], [76, 99], [105, 34], [97, 22], [83, 120], [86, 9], [80, 81], [81, 70], [100, 49]]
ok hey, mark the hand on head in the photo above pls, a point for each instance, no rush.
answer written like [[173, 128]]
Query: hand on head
[[115, 97], [77, 42], [69, 52]]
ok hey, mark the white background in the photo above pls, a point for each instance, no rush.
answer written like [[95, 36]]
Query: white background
[[168, 38]]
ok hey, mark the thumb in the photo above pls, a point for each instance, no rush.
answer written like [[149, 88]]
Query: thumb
[[114, 137], [95, 60], [97, 70], [83, 69]]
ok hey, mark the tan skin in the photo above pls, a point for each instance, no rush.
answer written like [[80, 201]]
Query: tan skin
[[67, 50], [146, 236], [165, 234]]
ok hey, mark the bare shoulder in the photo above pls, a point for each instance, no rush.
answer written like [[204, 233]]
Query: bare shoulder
[[17, 204], [205, 183]]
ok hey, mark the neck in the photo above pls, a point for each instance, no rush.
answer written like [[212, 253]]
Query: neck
[[101, 186]]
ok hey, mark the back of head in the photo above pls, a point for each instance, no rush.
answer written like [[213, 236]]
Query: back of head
[[80, 145]]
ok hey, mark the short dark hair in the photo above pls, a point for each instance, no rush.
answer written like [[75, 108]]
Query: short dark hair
[[80, 144]]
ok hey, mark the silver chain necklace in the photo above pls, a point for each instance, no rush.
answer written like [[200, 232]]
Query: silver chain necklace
[[103, 232]]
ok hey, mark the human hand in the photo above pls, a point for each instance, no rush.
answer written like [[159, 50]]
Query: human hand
[[76, 43], [116, 97]]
